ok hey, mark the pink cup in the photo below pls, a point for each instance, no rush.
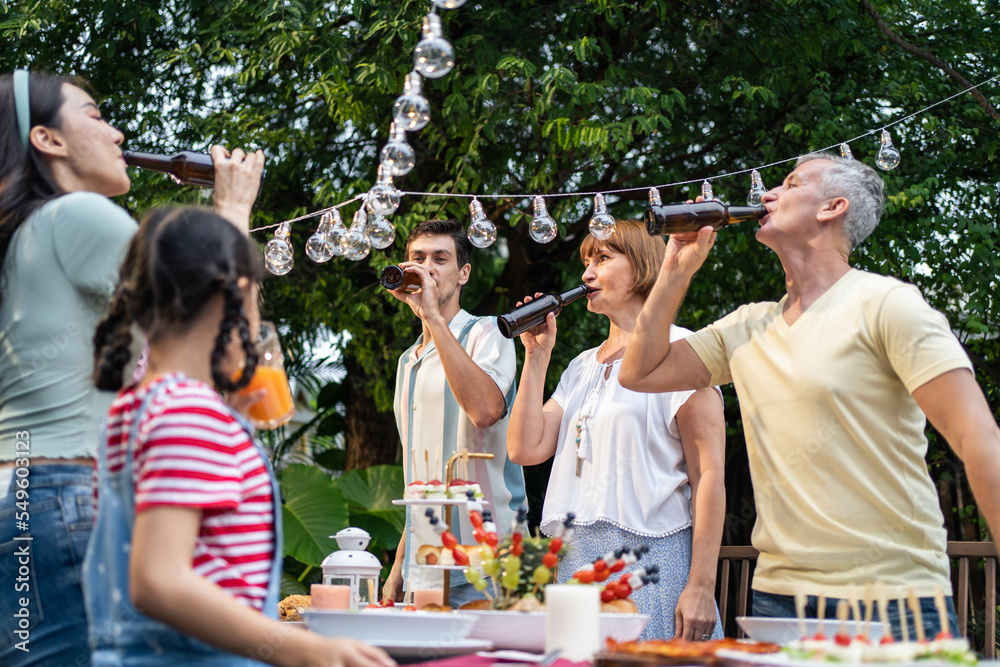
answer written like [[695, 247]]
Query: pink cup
[[422, 596], [325, 596]]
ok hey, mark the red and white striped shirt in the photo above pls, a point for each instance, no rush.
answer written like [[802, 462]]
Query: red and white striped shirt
[[191, 452]]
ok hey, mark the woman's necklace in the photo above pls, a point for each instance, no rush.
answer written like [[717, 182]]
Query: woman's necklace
[[591, 400]]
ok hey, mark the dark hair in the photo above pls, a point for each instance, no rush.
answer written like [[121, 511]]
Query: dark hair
[[179, 259], [644, 252], [452, 228], [26, 182]]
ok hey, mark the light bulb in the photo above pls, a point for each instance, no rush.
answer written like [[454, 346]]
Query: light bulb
[[449, 4], [845, 152], [757, 189], [602, 225], [383, 197], [337, 233], [482, 233], [654, 197], [381, 232], [397, 155], [318, 247], [278, 251], [888, 157], [706, 191], [411, 111], [433, 57], [355, 242], [543, 228]]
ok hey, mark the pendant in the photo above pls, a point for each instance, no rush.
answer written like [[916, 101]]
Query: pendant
[[579, 466]]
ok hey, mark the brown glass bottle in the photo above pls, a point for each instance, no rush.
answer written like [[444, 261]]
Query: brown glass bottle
[[676, 218], [185, 167], [393, 277], [531, 314]]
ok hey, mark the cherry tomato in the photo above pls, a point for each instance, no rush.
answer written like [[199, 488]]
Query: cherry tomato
[[623, 590], [607, 596], [584, 576], [448, 540], [461, 558], [842, 639], [600, 566], [601, 576], [555, 545], [491, 539], [478, 535], [476, 519], [618, 566], [550, 560]]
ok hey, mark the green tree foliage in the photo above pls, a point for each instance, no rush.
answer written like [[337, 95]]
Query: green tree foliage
[[560, 96]]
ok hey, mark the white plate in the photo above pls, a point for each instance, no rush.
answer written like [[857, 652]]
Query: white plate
[[784, 630], [430, 501], [424, 627], [426, 650], [525, 630]]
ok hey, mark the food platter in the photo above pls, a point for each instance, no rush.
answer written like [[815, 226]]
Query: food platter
[[784, 630], [525, 630], [435, 501], [717, 653]]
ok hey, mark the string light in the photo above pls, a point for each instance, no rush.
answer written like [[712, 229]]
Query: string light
[[706, 191], [355, 242], [319, 247], [449, 4], [757, 189], [337, 233], [396, 155], [888, 157], [433, 57], [602, 225], [482, 232], [411, 110], [383, 197], [278, 252], [381, 232], [543, 228]]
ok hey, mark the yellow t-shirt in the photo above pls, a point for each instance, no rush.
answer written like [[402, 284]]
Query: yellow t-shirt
[[835, 440]]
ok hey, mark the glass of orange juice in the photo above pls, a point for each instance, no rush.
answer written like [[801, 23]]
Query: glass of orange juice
[[277, 406]]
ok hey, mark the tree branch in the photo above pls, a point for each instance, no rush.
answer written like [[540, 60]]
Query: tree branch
[[931, 58]]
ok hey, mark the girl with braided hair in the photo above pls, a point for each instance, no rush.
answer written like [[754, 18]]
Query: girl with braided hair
[[183, 486], [61, 244]]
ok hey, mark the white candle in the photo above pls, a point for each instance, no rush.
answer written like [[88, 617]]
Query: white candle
[[572, 620]]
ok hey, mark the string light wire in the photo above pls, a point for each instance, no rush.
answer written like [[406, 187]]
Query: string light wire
[[641, 188]]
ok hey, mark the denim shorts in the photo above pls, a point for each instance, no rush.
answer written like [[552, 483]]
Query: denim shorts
[[783, 606], [60, 519]]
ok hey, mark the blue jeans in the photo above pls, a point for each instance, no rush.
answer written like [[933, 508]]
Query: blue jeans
[[462, 593], [783, 606], [60, 518]]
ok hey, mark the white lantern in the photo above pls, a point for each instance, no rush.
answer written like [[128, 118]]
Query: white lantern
[[354, 568]]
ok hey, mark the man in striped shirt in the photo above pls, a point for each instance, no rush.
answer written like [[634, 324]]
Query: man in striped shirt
[[453, 389]]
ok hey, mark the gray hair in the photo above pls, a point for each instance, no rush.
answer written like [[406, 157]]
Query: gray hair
[[860, 185]]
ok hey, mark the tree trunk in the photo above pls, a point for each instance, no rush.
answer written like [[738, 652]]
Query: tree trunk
[[370, 435]]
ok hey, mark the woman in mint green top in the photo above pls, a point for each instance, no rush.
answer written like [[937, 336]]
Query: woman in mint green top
[[61, 243]]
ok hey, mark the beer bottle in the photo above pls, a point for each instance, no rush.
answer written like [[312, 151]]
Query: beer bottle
[[186, 167], [676, 218], [393, 277], [533, 313]]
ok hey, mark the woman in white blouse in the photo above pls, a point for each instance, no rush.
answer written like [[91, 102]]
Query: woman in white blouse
[[634, 468]]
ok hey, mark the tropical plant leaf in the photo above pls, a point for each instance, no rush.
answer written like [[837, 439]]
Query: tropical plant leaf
[[314, 510]]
